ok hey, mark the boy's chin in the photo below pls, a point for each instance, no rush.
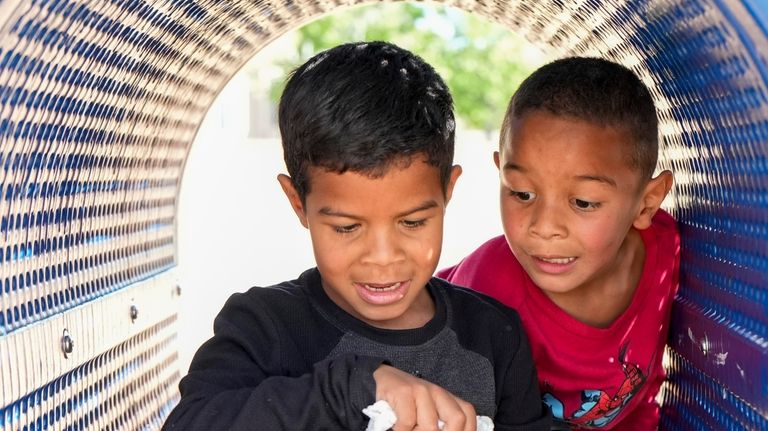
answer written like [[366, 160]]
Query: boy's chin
[[556, 290], [559, 286], [394, 322], [395, 317]]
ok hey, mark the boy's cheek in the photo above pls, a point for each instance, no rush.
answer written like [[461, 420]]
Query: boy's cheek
[[511, 218]]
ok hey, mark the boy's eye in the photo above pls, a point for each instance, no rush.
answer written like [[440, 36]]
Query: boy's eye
[[346, 229], [522, 196], [585, 205], [413, 224]]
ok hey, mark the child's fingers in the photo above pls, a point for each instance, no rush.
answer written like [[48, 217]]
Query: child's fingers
[[398, 388], [426, 408], [457, 414], [420, 405], [405, 411], [470, 414]]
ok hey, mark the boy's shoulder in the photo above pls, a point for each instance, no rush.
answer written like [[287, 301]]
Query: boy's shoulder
[[493, 270], [486, 259], [284, 291], [662, 238], [494, 251], [664, 222], [276, 299], [481, 322], [290, 309], [471, 306]]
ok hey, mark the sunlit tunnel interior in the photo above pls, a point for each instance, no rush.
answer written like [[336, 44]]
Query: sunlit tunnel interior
[[139, 186]]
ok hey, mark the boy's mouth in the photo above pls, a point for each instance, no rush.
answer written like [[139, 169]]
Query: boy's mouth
[[382, 293], [553, 265], [557, 260], [382, 287]]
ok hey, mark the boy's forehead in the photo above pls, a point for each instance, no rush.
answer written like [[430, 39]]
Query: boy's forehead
[[553, 137], [542, 126], [395, 193]]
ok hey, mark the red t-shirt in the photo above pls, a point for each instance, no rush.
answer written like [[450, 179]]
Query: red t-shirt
[[593, 378]]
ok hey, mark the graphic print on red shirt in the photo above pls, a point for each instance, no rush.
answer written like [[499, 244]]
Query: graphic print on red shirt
[[599, 408]]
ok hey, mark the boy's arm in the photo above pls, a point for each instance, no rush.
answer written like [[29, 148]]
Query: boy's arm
[[521, 408], [323, 399], [237, 382]]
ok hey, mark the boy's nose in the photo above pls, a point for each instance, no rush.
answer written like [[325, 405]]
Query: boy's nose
[[383, 248], [547, 222]]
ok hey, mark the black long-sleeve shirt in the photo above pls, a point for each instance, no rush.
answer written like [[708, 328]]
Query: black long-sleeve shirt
[[286, 357]]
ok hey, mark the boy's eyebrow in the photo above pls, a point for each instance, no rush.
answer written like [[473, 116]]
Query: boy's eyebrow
[[599, 178], [328, 211], [424, 206], [509, 166]]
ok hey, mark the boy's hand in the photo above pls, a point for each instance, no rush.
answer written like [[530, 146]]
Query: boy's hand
[[418, 404]]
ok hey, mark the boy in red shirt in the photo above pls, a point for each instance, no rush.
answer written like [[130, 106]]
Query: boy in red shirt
[[587, 258]]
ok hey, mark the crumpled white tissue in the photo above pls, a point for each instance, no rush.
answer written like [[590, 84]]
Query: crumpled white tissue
[[383, 418]]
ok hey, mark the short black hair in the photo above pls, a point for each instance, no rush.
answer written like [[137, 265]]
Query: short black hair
[[595, 90], [364, 107]]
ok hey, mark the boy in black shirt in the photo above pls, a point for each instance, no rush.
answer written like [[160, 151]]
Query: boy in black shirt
[[368, 133]]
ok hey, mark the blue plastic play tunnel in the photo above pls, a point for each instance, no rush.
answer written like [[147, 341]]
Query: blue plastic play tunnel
[[101, 100]]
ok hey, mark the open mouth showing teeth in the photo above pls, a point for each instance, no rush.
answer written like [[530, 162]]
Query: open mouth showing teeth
[[383, 287], [558, 260]]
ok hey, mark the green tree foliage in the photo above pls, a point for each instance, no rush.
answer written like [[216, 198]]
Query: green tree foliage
[[482, 62]]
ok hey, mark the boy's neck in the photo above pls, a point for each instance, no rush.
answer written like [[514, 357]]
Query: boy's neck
[[601, 303]]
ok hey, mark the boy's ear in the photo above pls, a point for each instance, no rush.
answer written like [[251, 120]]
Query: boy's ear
[[496, 159], [293, 198], [455, 174], [650, 201]]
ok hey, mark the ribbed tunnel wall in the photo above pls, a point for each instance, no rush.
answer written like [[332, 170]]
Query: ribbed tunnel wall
[[100, 101]]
